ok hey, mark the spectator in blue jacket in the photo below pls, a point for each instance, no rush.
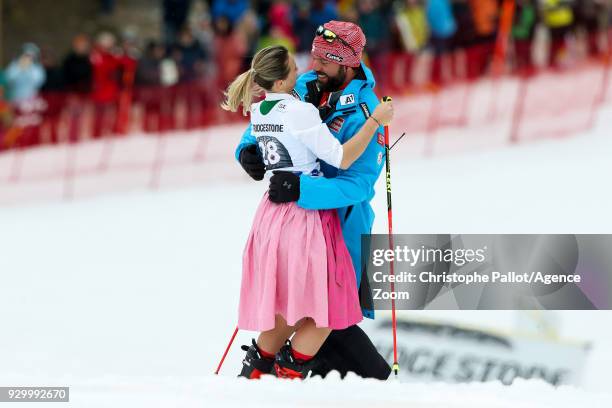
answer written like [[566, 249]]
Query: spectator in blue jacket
[[231, 9], [442, 26], [322, 11], [440, 18], [4, 95], [25, 75]]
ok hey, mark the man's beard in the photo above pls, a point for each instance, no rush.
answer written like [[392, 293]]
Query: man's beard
[[333, 83]]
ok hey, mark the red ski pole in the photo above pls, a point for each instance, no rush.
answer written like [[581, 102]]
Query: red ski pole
[[227, 350], [390, 222]]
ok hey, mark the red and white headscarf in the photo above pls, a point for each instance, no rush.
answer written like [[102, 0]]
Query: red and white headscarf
[[336, 51]]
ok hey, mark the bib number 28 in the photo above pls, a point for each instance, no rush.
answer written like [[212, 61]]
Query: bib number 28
[[274, 154]]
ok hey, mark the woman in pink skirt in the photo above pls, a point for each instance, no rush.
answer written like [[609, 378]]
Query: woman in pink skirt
[[297, 276]]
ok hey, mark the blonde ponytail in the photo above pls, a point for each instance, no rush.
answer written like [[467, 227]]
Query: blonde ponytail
[[240, 92], [269, 64]]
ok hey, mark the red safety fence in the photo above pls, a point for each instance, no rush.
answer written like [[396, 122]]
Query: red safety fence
[[62, 117], [178, 135]]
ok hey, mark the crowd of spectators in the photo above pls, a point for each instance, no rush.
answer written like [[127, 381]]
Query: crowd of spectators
[[177, 78]]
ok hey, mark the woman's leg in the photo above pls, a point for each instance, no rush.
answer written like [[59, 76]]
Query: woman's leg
[[308, 338], [294, 360], [271, 341]]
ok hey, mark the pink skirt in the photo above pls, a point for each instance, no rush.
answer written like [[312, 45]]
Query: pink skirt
[[296, 264]]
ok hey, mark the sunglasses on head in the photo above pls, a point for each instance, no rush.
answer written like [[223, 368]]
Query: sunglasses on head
[[329, 36]]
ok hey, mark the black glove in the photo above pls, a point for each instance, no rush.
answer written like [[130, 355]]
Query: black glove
[[252, 162], [284, 187]]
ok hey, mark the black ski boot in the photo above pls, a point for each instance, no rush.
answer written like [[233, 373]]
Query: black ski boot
[[254, 364], [287, 365]]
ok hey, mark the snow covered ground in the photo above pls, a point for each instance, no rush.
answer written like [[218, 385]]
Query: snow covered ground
[[130, 298], [210, 391]]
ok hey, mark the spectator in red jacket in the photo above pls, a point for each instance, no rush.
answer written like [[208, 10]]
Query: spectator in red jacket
[[106, 66], [485, 15], [231, 46], [54, 95], [128, 60]]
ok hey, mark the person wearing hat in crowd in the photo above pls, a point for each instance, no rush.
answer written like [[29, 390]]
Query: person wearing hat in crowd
[[341, 87], [25, 75]]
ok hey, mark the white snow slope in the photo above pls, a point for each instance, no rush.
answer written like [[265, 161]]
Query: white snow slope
[[130, 299]]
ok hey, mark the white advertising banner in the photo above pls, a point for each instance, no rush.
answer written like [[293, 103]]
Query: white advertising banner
[[434, 351]]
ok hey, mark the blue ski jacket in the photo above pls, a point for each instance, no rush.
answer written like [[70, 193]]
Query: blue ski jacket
[[440, 18], [349, 191]]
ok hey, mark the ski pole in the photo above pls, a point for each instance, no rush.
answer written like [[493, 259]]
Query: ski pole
[[227, 350], [398, 139], [390, 222]]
